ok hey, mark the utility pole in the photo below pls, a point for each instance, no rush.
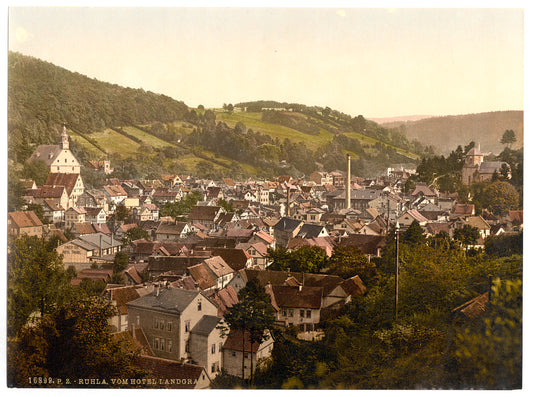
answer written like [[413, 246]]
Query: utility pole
[[397, 266]]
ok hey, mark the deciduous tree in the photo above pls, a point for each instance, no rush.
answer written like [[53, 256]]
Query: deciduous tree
[[36, 280]]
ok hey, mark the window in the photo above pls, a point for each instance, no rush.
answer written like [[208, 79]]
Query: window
[[169, 345], [233, 354], [291, 313], [162, 344], [169, 326], [308, 314], [213, 348], [199, 305], [212, 367], [284, 313], [187, 347], [245, 355], [302, 313], [162, 324], [156, 323], [187, 325], [156, 343]]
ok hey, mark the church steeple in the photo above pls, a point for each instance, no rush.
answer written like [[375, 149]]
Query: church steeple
[[64, 139]]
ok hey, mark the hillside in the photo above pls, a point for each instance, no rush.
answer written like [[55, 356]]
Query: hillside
[[145, 134], [446, 133]]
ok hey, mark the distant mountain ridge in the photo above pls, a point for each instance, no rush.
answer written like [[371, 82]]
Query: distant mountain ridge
[[447, 132]]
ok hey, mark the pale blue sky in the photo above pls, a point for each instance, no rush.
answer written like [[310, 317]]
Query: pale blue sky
[[375, 62]]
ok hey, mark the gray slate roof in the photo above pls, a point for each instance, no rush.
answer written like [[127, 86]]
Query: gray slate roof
[[206, 325], [46, 153], [169, 299]]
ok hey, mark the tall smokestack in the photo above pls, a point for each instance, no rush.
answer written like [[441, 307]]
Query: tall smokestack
[[288, 201], [348, 181]]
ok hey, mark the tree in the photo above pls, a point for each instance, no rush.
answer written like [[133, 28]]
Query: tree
[[15, 191], [224, 204], [36, 280], [73, 342], [414, 234], [120, 263], [504, 245], [307, 259], [36, 170], [133, 234], [349, 261], [500, 197], [121, 213], [467, 235], [252, 316], [489, 352], [508, 138], [37, 210]]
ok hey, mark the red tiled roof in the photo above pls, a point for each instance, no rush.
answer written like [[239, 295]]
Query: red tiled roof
[[66, 180], [225, 298], [24, 219], [52, 192], [204, 212], [516, 216], [464, 209], [134, 274], [234, 342], [167, 369], [218, 266], [234, 257], [122, 296], [115, 190], [201, 276], [300, 297], [474, 307], [354, 286], [84, 228]]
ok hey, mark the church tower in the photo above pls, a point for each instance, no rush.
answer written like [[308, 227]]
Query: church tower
[[473, 161], [64, 139]]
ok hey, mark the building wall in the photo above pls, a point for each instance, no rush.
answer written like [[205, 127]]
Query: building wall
[[192, 314], [293, 316], [207, 351], [30, 231], [73, 253], [232, 359], [65, 163], [162, 330]]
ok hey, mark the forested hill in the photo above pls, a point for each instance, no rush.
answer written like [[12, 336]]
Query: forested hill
[[145, 134], [43, 96], [447, 132]]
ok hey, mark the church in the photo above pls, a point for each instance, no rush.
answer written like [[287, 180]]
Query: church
[[58, 157], [64, 168], [476, 170]]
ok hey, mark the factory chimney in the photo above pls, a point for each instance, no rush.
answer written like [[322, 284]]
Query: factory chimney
[[348, 181], [288, 201]]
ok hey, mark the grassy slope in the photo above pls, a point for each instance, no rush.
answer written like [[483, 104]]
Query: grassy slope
[[125, 147], [114, 142], [253, 121]]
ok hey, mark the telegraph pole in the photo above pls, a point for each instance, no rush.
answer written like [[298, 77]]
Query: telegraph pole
[[397, 266]]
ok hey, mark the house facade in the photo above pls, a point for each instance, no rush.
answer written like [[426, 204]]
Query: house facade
[[167, 318]]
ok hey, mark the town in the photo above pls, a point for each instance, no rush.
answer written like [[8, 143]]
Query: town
[[176, 256]]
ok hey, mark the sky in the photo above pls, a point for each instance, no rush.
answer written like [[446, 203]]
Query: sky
[[377, 62]]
